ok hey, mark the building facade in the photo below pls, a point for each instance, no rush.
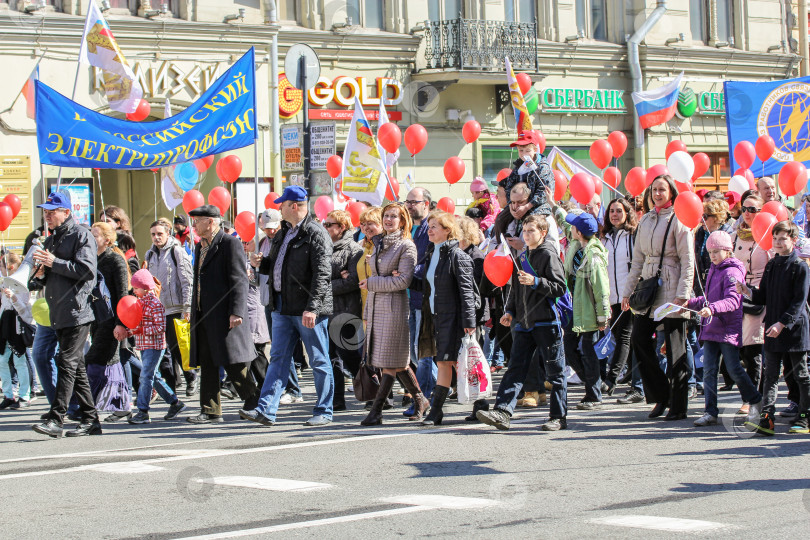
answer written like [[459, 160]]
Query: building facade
[[433, 62]]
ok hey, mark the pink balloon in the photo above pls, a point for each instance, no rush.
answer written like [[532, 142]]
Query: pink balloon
[[323, 205]]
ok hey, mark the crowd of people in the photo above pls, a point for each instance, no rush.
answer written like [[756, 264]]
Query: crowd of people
[[623, 294]]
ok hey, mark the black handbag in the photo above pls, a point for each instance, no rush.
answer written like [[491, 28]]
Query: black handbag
[[644, 294], [366, 383], [752, 309]]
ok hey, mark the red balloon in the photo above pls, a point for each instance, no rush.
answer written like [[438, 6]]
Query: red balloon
[[498, 268], [130, 311], [245, 225], [503, 173], [229, 168], [6, 216], [14, 202], [390, 137], [777, 209], [792, 177], [524, 82], [762, 229], [446, 204], [612, 177], [416, 138], [618, 142], [541, 141], [597, 185], [453, 169], [141, 112], [601, 151], [471, 131], [323, 205], [269, 201], [192, 199], [688, 209], [635, 181], [156, 170], [203, 163], [355, 209], [764, 148], [221, 198], [582, 187], [395, 195], [560, 185], [748, 175], [334, 166], [744, 154], [683, 186], [702, 163], [654, 172], [674, 146]]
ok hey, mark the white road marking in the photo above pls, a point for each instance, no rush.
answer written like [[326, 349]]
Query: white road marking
[[658, 523], [424, 503], [126, 468], [270, 484]]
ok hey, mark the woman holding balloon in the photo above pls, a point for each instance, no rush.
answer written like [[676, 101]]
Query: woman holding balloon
[[663, 254]]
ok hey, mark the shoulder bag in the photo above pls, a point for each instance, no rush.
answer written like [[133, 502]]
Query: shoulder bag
[[644, 294]]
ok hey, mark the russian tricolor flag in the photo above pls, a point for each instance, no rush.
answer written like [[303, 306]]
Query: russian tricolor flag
[[657, 106], [28, 93]]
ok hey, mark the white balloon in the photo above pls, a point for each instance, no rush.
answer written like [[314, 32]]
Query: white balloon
[[681, 166], [738, 184]]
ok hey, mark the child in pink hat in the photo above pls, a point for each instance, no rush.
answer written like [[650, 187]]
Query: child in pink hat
[[486, 201]]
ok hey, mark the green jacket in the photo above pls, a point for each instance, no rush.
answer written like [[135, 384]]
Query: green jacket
[[592, 288]]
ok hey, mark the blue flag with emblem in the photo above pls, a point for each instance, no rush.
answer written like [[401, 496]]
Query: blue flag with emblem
[[222, 119], [780, 109]]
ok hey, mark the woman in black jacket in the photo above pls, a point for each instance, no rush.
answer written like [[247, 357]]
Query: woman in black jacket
[[107, 380], [468, 242], [448, 304], [345, 322]]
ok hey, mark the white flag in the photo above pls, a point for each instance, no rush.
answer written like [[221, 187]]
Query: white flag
[[99, 49], [364, 176], [172, 194]]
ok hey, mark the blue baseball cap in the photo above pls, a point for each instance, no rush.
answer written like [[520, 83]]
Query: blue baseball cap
[[584, 222], [57, 199], [292, 193]]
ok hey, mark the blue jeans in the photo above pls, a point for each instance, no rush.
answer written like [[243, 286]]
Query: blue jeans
[[287, 330], [635, 376], [585, 364], [426, 368], [731, 357], [151, 376], [22, 374], [293, 387], [43, 352], [548, 341]]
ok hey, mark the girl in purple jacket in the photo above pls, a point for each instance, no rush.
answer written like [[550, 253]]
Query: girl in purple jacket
[[722, 306]]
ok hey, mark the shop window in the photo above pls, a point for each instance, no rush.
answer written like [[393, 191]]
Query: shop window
[[719, 172], [287, 10], [366, 13], [522, 11], [442, 10], [592, 19]]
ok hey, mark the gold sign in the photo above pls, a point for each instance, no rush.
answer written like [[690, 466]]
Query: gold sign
[[15, 178]]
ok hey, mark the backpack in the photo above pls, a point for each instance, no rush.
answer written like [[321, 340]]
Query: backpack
[[100, 300]]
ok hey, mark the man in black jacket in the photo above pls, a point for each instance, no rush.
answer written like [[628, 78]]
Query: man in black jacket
[[67, 270], [300, 270], [540, 281]]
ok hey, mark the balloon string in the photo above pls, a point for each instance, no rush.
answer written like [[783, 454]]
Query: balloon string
[[101, 194]]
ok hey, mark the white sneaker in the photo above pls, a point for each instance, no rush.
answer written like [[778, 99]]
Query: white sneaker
[[706, 420], [288, 398], [755, 411]]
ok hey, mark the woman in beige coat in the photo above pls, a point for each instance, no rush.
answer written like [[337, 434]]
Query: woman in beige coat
[[754, 260], [392, 262], [675, 286]]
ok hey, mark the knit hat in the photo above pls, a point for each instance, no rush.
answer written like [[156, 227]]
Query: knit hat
[[142, 279], [478, 184], [719, 240]]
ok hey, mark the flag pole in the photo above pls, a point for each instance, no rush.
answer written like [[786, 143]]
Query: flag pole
[[39, 61], [256, 191], [72, 98]]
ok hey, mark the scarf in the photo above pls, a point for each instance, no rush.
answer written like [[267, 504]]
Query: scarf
[[744, 232]]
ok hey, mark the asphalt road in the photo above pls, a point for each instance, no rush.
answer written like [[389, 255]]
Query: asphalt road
[[612, 474]]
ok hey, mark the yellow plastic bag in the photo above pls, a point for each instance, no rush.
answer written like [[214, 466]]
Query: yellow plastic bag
[[182, 329]]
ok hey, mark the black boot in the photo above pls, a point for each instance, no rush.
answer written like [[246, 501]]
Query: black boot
[[374, 417], [434, 418], [421, 404]]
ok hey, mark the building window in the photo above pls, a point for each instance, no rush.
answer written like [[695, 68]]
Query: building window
[[366, 13], [719, 172], [698, 18], [442, 10], [287, 10], [725, 21], [592, 19], [495, 158], [520, 11]]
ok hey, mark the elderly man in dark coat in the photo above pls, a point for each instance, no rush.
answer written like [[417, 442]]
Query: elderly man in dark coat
[[220, 330]]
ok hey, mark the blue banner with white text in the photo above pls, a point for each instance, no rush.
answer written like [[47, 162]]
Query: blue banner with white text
[[222, 119]]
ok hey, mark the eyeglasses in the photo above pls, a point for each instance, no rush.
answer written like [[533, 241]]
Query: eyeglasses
[[413, 203], [750, 209], [706, 216], [327, 225]]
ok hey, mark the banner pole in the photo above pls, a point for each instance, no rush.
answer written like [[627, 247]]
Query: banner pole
[[256, 192], [72, 98]]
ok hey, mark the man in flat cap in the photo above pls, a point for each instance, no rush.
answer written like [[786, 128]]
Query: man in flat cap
[[220, 335], [300, 269]]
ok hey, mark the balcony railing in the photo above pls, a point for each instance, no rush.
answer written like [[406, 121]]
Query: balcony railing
[[480, 45]]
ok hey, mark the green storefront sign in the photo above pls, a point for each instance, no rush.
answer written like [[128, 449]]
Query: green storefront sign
[[579, 100], [712, 103]]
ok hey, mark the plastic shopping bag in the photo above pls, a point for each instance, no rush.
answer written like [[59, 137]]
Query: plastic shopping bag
[[605, 346], [474, 379], [182, 328]]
